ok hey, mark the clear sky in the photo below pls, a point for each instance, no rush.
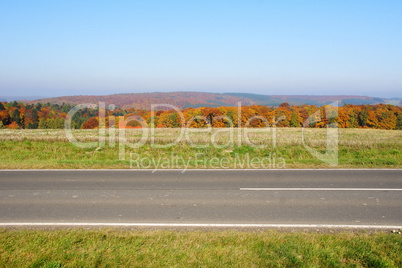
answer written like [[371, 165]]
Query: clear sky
[[54, 48]]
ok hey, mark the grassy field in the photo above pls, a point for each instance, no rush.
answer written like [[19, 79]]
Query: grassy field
[[111, 248], [279, 148]]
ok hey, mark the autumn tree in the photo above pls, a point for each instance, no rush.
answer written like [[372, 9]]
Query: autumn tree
[[5, 117], [91, 123], [166, 120], [31, 119], [13, 125], [194, 118], [282, 117], [31, 116], [209, 113], [285, 106]]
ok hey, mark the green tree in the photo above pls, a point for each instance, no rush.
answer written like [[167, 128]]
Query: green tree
[[15, 104], [399, 122], [152, 121], [42, 123], [363, 117], [38, 106], [353, 122], [34, 119], [51, 123], [65, 108], [294, 121], [16, 117], [78, 120], [59, 123], [175, 120]]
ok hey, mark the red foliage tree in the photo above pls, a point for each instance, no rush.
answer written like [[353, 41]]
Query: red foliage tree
[[91, 123]]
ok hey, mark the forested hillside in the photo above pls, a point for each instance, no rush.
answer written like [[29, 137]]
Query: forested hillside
[[185, 100], [16, 115]]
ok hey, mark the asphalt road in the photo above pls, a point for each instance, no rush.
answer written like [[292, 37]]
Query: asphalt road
[[328, 197]]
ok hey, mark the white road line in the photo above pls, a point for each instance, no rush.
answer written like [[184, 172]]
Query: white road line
[[215, 225], [318, 189]]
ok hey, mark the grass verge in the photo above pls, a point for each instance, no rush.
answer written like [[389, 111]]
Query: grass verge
[[357, 148], [111, 248]]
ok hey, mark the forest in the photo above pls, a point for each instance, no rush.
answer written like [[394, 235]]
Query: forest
[[18, 115]]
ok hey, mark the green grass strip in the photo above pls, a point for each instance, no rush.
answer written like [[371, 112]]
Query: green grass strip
[[124, 248]]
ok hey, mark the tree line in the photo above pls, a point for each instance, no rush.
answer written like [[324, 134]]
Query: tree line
[[17, 115]]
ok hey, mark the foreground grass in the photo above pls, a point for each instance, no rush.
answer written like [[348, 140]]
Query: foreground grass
[[111, 248], [357, 148]]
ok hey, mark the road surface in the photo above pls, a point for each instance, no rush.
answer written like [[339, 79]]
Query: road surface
[[202, 197]]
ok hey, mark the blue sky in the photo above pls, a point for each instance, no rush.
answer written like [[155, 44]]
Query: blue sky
[[54, 48]]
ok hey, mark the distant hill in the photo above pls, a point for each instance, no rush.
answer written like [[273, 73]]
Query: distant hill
[[18, 98], [184, 100], [145, 100], [275, 100]]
